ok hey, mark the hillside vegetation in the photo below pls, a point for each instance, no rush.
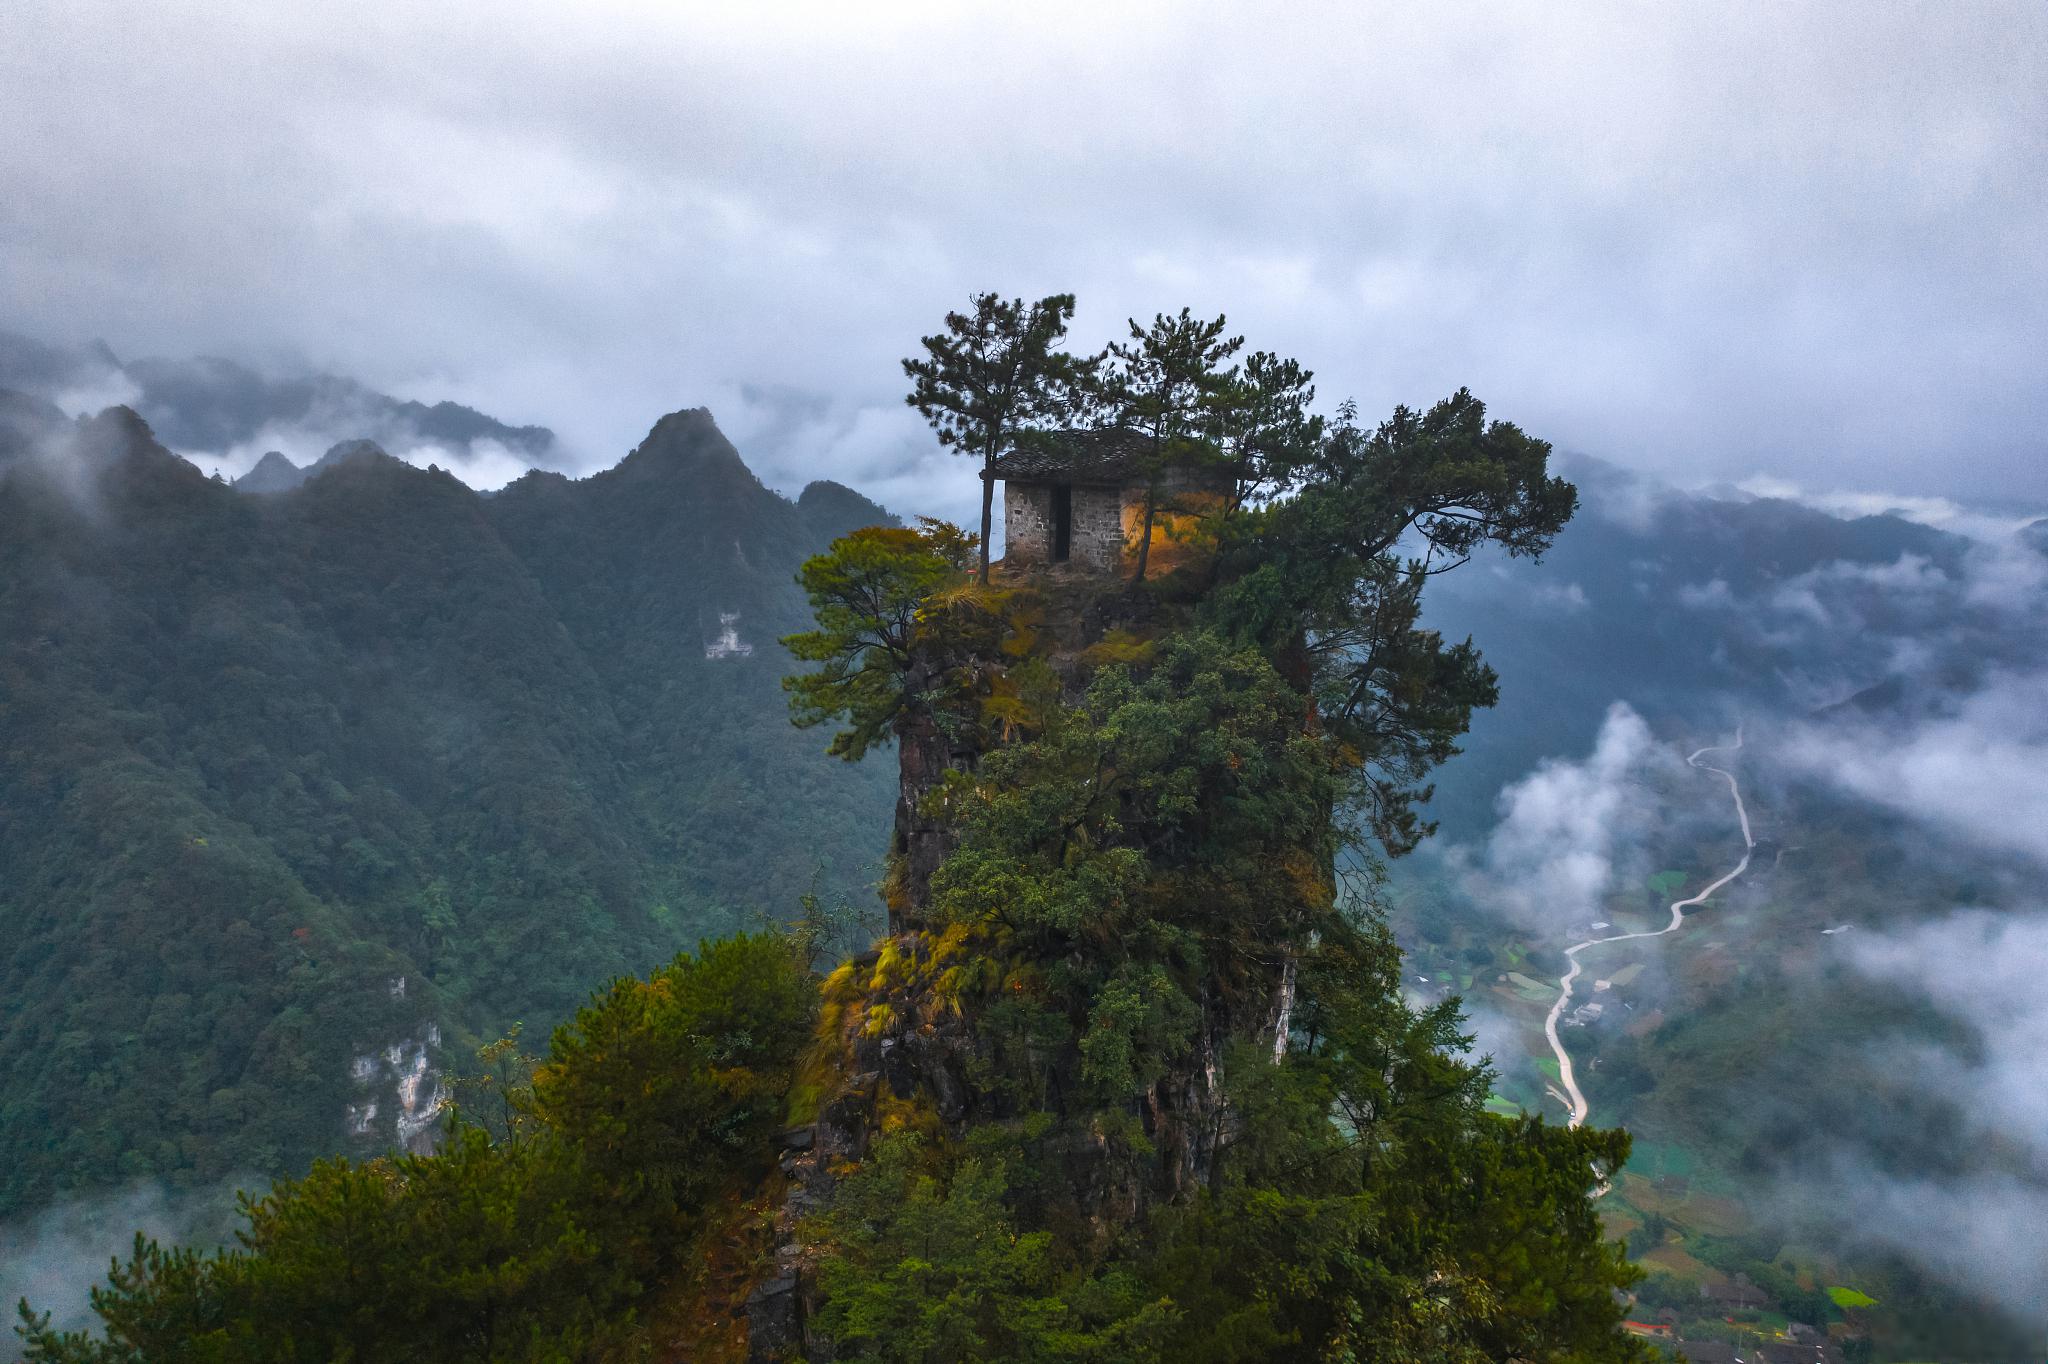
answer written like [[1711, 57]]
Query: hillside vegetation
[[303, 791], [1130, 1076]]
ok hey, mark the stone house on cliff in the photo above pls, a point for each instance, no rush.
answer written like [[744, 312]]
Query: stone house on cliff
[[1081, 500]]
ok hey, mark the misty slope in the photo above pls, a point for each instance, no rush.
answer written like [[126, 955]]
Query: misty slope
[[210, 406], [1690, 607], [268, 755], [1823, 1070]]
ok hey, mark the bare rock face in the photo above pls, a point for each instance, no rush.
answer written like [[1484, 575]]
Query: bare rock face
[[400, 1096], [921, 842], [774, 1325]]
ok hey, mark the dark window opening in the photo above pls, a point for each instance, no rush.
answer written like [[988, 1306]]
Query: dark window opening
[[1062, 521]]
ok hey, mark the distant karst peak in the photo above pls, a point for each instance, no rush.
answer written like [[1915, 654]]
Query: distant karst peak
[[274, 473], [688, 444]]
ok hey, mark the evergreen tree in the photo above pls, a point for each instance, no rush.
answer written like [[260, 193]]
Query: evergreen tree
[[1137, 1081], [1264, 429], [1329, 581], [869, 597], [994, 377], [1170, 385], [654, 1104], [1163, 1049]]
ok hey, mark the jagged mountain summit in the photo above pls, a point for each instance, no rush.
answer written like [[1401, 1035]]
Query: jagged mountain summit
[[372, 728], [1127, 1059], [275, 473], [272, 474], [208, 407]]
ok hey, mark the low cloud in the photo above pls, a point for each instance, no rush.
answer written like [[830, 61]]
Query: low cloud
[[1625, 497], [1981, 1232], [1570, 597], [224, 416], [1981, 1226], [63, 456], [1909, 677], [1941, 513], [1715, 240], [54, 1258], [1983, 968], [483, 464], [1712, 595], [2009, 576], [791, 437], [1975, 769], [1570, 831], [1935, 624], [89, 395]]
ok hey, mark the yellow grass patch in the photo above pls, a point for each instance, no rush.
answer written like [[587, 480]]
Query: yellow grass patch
[[1674, 1259]]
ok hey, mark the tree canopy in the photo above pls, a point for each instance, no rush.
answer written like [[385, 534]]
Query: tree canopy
[[1169, 384], [1180, 1108], [870, 596], [1132, 1079], [995, 377], [653, 1107], [1330, 578]]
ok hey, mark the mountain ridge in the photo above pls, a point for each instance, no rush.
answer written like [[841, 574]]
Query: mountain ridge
[[208, 406], [399, 758]]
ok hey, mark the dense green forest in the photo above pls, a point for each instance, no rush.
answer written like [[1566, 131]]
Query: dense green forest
[[295, 785], [1139, 1070], [1130, 1077]]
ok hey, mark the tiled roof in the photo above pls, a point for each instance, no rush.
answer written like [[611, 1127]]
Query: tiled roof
[[1107, 456]]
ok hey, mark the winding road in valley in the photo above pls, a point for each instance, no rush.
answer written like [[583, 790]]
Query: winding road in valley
[[1570, 1097]]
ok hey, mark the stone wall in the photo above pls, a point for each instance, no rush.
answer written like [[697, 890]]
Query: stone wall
[[1107, 523], [1097, 541], [1095, 535], [1027, 523]]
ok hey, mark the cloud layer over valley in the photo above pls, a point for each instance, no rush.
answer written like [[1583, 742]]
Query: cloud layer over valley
[[226, 416], [1852, 1028], [1572, 830]]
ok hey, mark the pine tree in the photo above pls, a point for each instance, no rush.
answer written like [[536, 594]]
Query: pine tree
[[1170, 385], [994, 376]]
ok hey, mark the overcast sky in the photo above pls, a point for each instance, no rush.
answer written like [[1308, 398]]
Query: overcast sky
[[1716, 241]]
